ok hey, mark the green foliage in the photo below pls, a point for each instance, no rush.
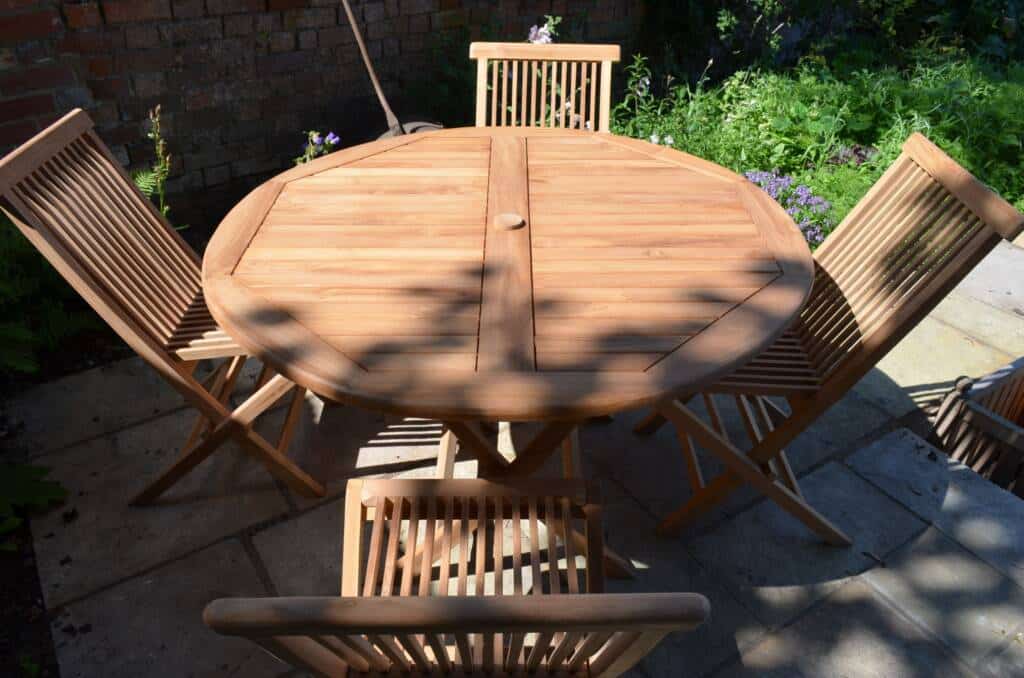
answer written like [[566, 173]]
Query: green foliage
[[805, 122], [24, 488], [679, 37], [33, 304], [153, 181]]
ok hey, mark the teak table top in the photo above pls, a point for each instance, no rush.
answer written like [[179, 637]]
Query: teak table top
[[506, 274]]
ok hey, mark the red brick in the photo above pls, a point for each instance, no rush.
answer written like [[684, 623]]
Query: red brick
[[24, 107], [307, 40], [129, 11], [17, 4], [237, 24], [85, 42], [110, 88], [141, 37], [41, 77], [188, 9], [310, 18], [18, 28], [17, 133], [235, 6], [100, 66], [82, 15], [282, 42], [274, 5], [195, 30]]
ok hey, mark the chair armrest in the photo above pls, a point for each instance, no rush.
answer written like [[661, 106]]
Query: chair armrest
[[480, 614]]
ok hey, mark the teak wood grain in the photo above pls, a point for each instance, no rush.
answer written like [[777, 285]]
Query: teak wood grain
[[533, 274], [491, 583]]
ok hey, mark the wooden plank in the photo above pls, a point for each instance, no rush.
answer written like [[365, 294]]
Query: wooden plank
[[506, 311], [549, 52]]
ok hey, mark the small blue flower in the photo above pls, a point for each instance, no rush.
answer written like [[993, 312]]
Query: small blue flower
[[316, 139], [332, 139]]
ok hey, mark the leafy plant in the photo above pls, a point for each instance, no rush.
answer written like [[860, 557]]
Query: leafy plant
[[23, 488], [317, 145], [153, 181], [836, 132]]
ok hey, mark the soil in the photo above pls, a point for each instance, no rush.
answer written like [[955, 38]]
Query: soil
[[26, 646]]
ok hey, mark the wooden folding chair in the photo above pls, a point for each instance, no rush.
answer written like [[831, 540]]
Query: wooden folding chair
[[70, 197], [447, 620], [544, 85], [920, 229], [981, 424]]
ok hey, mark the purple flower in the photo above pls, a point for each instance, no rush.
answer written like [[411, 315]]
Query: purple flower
[[809, 211], [332, 139], [540, 35], [316, 139]]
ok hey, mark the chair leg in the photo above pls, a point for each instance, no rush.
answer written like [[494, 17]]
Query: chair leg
[[447, 451], [237, 425], [744, 469]]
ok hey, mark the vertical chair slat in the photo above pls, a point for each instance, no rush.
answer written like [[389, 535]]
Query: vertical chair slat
[[567, 541], [533, 94], [446, 546], [572, 110], [464, 546], [373, 560], [410, 547], [427, 560], [562, 99], [387, 585], [593, 97], [538, 582], [552, 523], [504, 93], [544, 68], [514, 93], [495, 83]]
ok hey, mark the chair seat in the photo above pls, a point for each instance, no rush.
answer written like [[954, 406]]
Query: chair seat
[[784, 368], [199, 337]]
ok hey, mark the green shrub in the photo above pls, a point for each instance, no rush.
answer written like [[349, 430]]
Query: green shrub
[[838, 133]]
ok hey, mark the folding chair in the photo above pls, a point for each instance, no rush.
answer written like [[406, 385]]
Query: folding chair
[[447, 620], [544, 85], [980, 423], [70, 197], [920, 229]]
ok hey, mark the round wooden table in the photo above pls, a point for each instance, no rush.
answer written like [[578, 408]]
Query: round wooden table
[[506, 274]]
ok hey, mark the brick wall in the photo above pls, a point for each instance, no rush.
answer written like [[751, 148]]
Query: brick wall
[[238, 80]]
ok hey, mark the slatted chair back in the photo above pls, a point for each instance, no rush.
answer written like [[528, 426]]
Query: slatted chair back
[[70, 197], [438, 614], [467, 530], [525, 85], [916, 234], [981, 424]]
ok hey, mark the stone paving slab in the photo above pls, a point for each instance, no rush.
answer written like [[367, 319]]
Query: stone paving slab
[[925, 366], [152, 625], [109, 540], [664, 564], [982, 517], [853, 633], [997, 279], [778, 568], [999, 328], [941, 586]]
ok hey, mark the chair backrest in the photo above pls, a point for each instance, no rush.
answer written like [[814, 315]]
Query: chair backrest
[[916, 234], [981, 424], [69, 196], [526, 85], [572, 635], [525, 529]]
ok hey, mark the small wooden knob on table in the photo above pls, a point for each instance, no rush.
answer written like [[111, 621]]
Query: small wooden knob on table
[[509, 221]]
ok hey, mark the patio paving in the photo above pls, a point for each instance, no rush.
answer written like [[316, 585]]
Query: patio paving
[[933, 585]]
